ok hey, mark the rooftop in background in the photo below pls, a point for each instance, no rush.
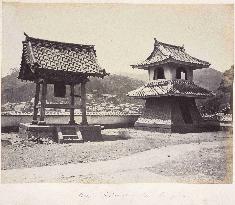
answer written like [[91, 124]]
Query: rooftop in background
[[160, 88], [166, 53], [58, 61]]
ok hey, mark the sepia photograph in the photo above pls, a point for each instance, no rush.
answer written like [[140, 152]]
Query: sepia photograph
[[117, 93]]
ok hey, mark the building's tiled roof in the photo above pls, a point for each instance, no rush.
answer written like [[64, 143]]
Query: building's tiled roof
[[166, 53], [159, 88], [58, 56]]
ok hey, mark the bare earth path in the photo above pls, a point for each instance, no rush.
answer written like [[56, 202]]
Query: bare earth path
[[144, 166]]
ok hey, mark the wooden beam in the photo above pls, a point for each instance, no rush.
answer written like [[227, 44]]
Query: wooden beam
[[83, 101], [43, 103], [36, 100], [72, 121]]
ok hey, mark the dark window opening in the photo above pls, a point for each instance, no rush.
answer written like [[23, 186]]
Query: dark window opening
[[185, 113], [181, 74], [158, 74]]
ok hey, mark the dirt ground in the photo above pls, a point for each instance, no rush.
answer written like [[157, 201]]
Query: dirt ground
[[202, 163]]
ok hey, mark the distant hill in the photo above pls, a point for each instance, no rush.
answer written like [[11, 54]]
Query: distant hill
[[14, 90], [224, 95], [115, 85], [208, 78]]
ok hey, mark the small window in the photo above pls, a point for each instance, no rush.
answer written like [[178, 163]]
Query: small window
[[158, 74], [181, 74]]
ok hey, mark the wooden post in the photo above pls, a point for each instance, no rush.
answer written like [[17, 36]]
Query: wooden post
[[43, 103], [36, 100], [72, 121], [83, 101]]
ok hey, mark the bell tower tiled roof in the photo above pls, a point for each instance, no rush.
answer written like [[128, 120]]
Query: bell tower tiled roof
[[41, 55], [166, 53]]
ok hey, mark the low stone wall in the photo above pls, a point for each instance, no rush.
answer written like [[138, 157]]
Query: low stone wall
[[108, 121]]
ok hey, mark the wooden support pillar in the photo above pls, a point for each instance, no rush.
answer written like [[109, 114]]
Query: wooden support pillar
[[43, 103], [83, 103], [72, 121], [36, 100]]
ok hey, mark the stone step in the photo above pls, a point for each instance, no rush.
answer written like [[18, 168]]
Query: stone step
[[68, 130], [70, 137], [71, 141], [82, 133]]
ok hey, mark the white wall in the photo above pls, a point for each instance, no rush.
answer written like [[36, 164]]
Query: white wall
[[151, 73], [15, 120], [170, 72]]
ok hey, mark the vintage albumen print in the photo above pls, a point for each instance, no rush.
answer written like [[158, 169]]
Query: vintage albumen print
[[115, 93]]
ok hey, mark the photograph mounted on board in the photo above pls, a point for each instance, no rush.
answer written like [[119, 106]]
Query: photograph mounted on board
[[117, 93]]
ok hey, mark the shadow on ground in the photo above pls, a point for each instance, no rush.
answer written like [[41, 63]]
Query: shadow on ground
[[115, 137]]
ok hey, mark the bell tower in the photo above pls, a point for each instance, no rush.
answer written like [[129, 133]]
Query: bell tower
[[170, 93]]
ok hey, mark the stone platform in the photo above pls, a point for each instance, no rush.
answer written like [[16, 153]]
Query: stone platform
[[61, 133], [174, 114]]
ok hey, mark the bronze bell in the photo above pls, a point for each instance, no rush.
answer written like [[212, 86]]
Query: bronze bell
[[59, 90]]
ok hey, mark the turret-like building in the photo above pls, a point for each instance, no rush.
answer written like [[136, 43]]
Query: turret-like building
[[170, 93]]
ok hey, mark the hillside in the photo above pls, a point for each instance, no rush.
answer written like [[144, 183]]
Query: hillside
[[224, 95], [208, 78], [14, 90], [117, 86]]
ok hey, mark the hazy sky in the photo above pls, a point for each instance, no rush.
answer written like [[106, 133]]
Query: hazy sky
[[122, 34]]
